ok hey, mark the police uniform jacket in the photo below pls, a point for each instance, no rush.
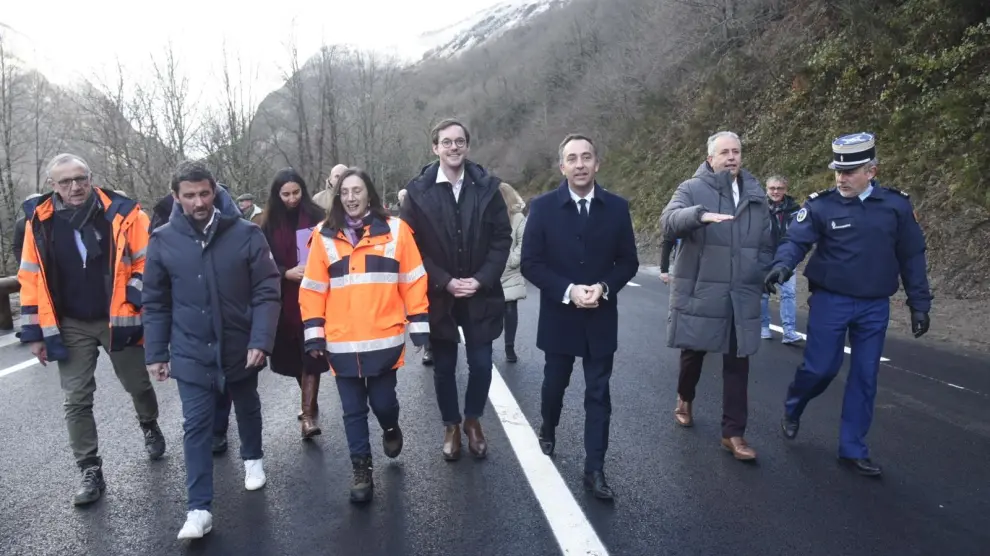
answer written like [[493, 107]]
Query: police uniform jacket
[[862, 245]]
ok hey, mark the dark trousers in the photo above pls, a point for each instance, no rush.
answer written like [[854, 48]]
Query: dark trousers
[[830, 317], [479, 359], [221, 419], [597, 401], [355, 395], [735, 385], [511, 322], [199, 408]]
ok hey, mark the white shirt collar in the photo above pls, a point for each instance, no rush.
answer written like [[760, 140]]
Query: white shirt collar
[[576, 197], [442, 178]]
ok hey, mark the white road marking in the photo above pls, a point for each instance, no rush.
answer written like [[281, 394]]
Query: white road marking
[[8, 339], [633, 284], [570, 527], [19, 367], [846, 349]]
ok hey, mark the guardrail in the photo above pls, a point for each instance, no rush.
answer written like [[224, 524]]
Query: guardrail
[[8, 285]]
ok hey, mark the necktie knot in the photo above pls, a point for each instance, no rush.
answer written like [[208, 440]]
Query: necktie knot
[[583, 207]]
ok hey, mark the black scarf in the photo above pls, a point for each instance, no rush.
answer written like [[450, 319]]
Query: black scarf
[[81, 219]]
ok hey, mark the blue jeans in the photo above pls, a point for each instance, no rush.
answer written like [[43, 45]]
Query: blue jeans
[[788, 308], [355, 395], [199, 408]]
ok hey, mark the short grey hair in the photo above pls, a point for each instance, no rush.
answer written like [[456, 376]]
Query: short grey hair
[[64, 158], [779, 179], [716, 137]]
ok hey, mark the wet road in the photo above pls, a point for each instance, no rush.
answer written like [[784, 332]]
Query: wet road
[[678, 492]]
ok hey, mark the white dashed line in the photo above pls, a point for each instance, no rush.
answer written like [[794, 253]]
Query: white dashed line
[[18, 367], [8, 339], [633, 284], [846, 349], [570, 527]]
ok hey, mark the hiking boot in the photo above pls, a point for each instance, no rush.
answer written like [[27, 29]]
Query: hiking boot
[[92, 485], [154, 440], [363, 485]]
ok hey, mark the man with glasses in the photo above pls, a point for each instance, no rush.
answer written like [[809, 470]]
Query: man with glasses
[[782, 209], [462, 230], [81, 279]]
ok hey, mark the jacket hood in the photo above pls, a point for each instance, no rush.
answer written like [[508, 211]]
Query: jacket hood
[[747, 181], [222, 201]]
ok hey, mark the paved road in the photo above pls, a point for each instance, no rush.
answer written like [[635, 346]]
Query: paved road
[[678, 491]]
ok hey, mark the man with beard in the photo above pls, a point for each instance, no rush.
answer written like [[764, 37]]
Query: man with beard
[[211, 306]]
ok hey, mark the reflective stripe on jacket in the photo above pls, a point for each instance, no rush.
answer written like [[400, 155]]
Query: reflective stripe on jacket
[[357, 302], [128, 242]]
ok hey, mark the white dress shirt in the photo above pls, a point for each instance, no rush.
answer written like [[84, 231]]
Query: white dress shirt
[[456, 186], [576, 197], [735, 191]]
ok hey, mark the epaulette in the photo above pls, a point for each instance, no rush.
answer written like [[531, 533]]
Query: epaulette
[[895, 190], [821, 193]]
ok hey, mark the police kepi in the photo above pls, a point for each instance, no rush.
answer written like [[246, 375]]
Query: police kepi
[[866, 235]]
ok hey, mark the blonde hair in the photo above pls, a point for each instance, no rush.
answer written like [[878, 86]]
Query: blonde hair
[[511, 197]]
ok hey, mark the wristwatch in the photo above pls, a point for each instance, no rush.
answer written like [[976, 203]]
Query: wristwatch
[[604, 290]]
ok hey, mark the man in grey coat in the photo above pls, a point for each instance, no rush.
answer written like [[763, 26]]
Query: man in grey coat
[[211, 306], [720, 215]]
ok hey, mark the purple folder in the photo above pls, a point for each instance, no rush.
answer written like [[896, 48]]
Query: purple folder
[[302, 247]]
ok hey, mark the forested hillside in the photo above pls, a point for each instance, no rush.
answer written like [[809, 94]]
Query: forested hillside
[[649, 79]]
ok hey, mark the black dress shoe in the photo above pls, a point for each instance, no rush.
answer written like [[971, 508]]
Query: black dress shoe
[[427, 356], [789, 427], [863, 466], [510, 354], [219, 443], [595, 482], [547, 440]]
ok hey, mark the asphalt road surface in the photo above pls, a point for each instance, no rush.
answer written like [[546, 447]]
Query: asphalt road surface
[[677, 491]]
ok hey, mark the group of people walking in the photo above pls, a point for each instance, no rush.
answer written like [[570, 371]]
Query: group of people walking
[[209, 293]]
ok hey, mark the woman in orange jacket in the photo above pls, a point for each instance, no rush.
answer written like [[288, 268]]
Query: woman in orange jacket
[[363, 287]]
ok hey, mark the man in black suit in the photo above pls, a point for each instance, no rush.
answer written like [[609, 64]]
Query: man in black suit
[[579, 250]]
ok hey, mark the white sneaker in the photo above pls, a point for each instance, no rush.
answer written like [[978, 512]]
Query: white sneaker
[[254, 474], [198, 523]]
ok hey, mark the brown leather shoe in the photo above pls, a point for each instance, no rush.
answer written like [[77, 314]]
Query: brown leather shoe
[[682, 413], [310, 391], [740, 450], [476, 438], [452, 443]]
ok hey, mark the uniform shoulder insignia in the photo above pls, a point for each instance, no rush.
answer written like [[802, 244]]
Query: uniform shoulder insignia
[[895, 190], [821, 193]]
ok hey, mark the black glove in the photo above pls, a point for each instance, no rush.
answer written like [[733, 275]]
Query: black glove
[[919, 323], [778, 275]]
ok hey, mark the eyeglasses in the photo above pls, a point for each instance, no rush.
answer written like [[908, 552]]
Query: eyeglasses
[[460, 142], [68, 182]]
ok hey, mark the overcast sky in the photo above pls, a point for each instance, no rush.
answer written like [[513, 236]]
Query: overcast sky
[[85, 37]]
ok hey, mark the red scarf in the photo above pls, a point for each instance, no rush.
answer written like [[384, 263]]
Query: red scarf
[[283, 245]]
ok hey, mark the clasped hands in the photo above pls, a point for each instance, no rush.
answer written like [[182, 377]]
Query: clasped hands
[[586, 297], [463, 287]]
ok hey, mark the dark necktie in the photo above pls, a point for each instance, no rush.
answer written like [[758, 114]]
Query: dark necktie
[[583, 211]]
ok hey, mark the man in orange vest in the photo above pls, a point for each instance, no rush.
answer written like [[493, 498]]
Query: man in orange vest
[[81, 277]]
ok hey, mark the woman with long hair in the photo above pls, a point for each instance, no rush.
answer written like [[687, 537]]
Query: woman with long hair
[[363, 289], [513, 283], [287, 221]]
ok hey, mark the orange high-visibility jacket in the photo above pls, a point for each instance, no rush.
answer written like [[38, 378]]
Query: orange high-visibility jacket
[[128, 242], [357, 301]]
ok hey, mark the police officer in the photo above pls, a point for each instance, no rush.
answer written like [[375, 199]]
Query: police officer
[[866, 235]]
